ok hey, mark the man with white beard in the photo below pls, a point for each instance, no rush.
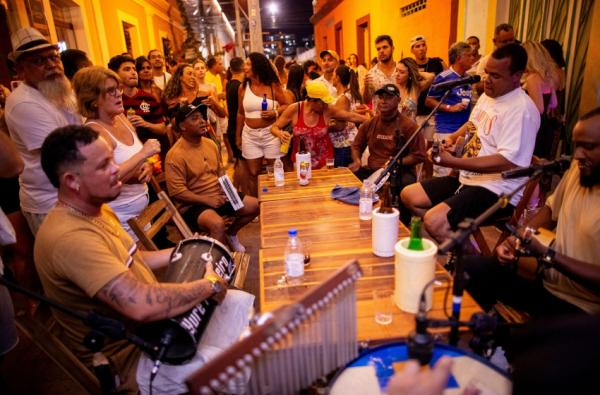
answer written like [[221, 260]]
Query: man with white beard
[[43, 102]]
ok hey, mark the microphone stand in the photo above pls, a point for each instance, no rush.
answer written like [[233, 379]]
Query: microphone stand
[[101, 327], [396, 161], [455, 242]]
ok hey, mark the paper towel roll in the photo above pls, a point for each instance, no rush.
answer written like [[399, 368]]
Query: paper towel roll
[[414, 269], [384, 232]]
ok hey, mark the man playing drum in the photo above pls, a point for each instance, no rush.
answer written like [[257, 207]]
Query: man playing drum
[[87, 261]]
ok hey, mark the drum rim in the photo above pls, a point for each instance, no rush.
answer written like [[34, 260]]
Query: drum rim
[[439, 345], [209, 239]]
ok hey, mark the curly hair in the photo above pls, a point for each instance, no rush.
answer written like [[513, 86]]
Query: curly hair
[[262, 69], [88, 84], [173, 88]]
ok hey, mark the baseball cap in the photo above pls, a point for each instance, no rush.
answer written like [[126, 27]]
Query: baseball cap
[[389, 89], [185, 110], [28, 39], [318, 90], [330, 52], [416, 39]]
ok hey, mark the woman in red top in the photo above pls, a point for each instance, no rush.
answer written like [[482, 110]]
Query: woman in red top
[[309, 119]]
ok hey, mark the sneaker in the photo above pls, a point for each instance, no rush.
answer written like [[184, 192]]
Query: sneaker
[[234, 242]]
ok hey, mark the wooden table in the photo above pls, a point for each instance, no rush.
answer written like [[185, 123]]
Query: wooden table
[[321, 184], [334, 235], [378, 273]]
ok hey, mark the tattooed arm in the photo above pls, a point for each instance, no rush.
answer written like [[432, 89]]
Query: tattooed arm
[[150, 302]]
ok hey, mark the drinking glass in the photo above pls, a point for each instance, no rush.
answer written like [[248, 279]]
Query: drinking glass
[[383, 306], [330, 163]]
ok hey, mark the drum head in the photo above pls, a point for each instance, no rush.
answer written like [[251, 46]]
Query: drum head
[[188, 260], [369, 374]]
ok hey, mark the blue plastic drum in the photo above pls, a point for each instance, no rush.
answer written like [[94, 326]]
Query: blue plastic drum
[[369, 374]]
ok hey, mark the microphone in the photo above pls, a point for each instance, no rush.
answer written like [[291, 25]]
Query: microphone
[[444, 86], [420, 342], [557, 166], [165, 343]]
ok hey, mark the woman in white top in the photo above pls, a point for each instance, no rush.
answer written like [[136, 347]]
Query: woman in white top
[[99, 98], [253, 129]]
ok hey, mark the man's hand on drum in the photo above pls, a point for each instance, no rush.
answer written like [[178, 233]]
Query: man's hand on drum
[[414, 381], [220, 295]]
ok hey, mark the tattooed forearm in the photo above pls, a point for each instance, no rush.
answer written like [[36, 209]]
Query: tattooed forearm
[[148, 302]]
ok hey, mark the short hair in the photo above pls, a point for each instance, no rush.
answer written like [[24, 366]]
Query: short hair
[[516, 54], [88, 85], [73, 60], [503, 27], [590, 114], [116, 61], [153, 50], [475, 37], [456, 50], [386, 38], [308, 64], [236, 64], [60, 150], [211, 62]]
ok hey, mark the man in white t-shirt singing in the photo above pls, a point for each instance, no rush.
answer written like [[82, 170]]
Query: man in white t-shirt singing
[[43, 102], [503, 126]]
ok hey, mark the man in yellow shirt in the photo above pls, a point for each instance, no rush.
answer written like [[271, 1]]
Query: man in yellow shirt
[[87, 261]]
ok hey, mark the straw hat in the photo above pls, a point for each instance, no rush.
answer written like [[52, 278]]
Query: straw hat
[[27, 40]]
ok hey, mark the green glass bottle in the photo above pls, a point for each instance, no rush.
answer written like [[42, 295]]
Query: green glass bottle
[[416, 241]]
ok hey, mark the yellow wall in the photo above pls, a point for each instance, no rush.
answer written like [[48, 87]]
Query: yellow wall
[[433, 22], [102, 33], [590, 89]]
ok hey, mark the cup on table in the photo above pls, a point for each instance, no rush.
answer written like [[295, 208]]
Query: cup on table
[[330, 162], [383, 306], [465, 101], [270, 170]]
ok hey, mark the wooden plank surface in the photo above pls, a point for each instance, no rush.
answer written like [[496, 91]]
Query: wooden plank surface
[[378, 274], [318, 219], [321, 184]]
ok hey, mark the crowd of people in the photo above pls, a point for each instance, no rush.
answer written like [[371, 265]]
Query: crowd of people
[[83, 138]]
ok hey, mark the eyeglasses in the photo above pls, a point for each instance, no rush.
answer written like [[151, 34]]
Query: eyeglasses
[[42, 60], [114, 91]]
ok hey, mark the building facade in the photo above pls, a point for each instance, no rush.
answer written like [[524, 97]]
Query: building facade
[[101, 28]]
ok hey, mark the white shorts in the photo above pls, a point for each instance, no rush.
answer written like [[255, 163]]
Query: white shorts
[[258, 143]]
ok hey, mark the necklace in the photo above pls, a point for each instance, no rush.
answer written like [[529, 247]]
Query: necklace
[[108, 225]]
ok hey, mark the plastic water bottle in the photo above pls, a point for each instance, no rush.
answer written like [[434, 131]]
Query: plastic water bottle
[[365, 204], [294, 256], [278, 173]]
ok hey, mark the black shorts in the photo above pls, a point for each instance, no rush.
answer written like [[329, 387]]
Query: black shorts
[[465, 201], [225, 210]]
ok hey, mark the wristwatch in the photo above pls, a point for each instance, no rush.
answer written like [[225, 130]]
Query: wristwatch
[[215, 283], [548, 258]]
